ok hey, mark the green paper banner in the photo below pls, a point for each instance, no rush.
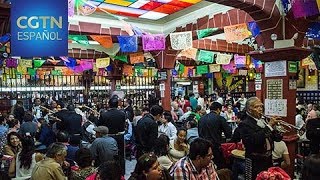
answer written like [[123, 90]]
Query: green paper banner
[[38, 63], [123, 58], [56, 72], [181, 68], [32, 72], [138, 71], [81, 39], [206, 32], [206, 56], [202, 69]]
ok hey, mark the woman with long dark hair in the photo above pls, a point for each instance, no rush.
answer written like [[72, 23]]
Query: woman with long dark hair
[[23, 164], [148, 168], [13, 144]]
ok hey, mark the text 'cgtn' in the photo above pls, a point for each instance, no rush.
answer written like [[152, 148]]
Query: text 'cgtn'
[[35, 22]]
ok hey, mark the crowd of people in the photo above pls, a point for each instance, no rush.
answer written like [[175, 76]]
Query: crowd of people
[[55, 140]]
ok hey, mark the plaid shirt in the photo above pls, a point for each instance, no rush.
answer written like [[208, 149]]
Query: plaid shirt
[[185, 170]]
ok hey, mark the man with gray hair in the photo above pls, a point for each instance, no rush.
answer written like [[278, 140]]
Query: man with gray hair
[[258, 137], [104, 148]]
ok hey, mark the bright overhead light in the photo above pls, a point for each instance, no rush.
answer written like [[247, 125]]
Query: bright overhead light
[[139, 3], [153, 15]]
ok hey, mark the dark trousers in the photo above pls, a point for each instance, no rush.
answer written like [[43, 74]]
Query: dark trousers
[[218, 158], [121, 151], [258, 164]]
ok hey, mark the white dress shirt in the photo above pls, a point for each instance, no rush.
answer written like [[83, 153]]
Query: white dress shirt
[[168, 129]]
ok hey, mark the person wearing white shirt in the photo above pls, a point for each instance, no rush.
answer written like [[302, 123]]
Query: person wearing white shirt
[[299, 119], [167, 127]]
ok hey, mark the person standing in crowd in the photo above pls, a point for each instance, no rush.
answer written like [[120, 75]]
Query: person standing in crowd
[[167, 127], [28, 126], [211, 127], [198, 164], [257, 137], [192, 126], [51, 167], [36, 110], [18, 111], [63, 137], [104, 148], [22, 165], [70, 122], [115, 120], [128, 109], [193, 101], [147, 130], [242, 101], [313, 131], [3, 133]]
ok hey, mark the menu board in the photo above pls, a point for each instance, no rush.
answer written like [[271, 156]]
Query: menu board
[[275, 69], [275, 107], [274, 89]]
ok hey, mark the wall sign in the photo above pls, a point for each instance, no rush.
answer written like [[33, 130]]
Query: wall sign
[[275, 69], [39, 28], [275, 107], [274, 89]]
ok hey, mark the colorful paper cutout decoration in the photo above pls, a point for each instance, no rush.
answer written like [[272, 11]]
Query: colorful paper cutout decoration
[[304, 8], [138, 71], [71, 7], [206, 56], [70, 62], [206, 32], [102, 62], [181, 40], [53, 61], [78, 69], [137, 31], [127, 27], [174, 72], [81, 39], [203, 69], [86, 64], [66, 71], [243, 72], [151, 42], [254, 28], [4, 39], [148, 56], [136, 58], [240, 61], [181, 68], [307, 61], [223, 58], [86, 8], [230, 68], [189, 53], [123, 58], [56, 72], [37, 63], [25, 63], [214, 67], [103, 40], [128, 43], [236, 32], [11, 63], [32, 72], [127, 70]]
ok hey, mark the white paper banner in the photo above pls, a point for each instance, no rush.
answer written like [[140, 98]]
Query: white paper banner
[[214, 67], [223, 58], [275, 107], [275, 69], [181, 40], [243, 72]]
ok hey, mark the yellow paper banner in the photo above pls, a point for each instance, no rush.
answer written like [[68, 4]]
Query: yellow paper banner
[[102, 62], [223, 58], [214, 68], [236, 32]]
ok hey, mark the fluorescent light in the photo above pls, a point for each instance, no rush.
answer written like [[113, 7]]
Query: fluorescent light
[[116, 8], [162, 1], [153, 15], [184, 83], [139, 3]]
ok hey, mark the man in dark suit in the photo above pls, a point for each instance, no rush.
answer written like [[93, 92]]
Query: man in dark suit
[[115, 120], [128, 108], [147, 130], [257, 137], [211, 127]]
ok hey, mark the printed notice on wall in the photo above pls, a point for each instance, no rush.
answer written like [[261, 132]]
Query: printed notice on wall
[[275, 69], [274, 88], [275, 107]]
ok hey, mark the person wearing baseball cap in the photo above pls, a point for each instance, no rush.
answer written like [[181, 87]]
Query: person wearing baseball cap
[[104, 148]]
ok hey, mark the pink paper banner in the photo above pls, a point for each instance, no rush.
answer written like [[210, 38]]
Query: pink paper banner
[[86, 64], [239, 59], [304, 8], [71, 7], [230, 68], [11, 63], [152, 42]]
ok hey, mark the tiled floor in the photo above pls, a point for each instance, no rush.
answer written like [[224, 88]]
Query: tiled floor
[[130, 165]]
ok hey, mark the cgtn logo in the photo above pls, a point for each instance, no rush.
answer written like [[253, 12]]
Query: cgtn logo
[[35, 22], [40, 28]]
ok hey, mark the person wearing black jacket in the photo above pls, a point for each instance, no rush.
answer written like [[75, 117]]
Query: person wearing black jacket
[[115, 120], [128, 108], [147, 130], [258, 138], [211, 127]]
